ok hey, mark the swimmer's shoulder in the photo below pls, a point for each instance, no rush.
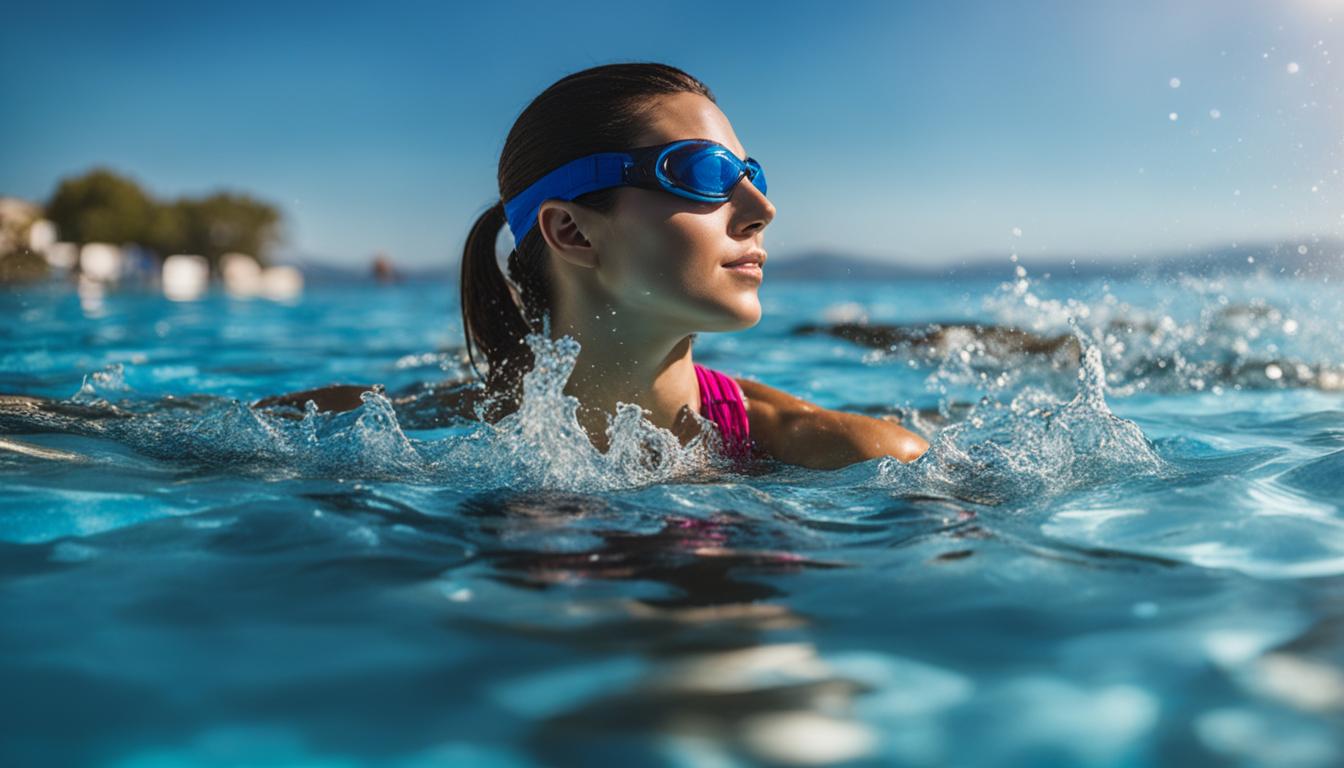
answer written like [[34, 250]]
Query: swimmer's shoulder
[[770, 405], [772, 414], [796, 431]]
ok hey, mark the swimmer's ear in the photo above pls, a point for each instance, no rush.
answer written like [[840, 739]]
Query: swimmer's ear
[[563, 225]]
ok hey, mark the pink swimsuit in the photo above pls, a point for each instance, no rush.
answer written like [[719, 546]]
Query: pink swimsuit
[[721, 402]]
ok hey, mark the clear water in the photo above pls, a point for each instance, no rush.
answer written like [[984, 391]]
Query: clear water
[[1124, 548]]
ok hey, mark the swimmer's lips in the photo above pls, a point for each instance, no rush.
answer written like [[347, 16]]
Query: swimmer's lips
[[751, 263]]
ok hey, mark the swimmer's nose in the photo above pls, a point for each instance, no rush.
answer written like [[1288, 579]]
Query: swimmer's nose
[[755, 210]]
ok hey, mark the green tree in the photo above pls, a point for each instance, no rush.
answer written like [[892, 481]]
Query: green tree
[[100, 206], [221, 223]]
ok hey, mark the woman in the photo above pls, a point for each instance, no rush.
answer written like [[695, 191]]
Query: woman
[[638, 222]]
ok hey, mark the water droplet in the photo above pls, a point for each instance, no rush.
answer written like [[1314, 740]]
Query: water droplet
[[1273, 372], [1017, 231], [1173, 117], [1302, 250], [1174, 82], [1215, 113], [1293, 68]]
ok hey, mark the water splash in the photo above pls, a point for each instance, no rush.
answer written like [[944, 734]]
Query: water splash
[[101, 386], [542, 444], [1229, 338], [1030, 446]]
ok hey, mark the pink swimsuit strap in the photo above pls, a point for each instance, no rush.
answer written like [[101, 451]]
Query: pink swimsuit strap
[[721, 402]]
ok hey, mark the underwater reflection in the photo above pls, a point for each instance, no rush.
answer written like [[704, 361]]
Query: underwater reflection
[[722, 669]]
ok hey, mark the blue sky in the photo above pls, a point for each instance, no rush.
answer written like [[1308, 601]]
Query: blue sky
[[913, 131]]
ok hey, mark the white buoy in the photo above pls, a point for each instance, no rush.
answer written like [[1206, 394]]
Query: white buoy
[[241, 273], [281, 283], [101, 262], [41, 235], [185, 277], [62, 256]]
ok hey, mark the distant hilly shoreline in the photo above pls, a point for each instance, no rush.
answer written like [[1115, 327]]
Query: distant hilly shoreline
[[1309, 257], [1304, 258]]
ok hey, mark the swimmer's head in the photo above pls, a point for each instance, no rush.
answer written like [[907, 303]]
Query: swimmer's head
[[653, 257]]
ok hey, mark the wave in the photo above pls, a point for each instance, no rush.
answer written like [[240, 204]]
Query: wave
[[1227, 346], [997, 451], [541, 445]]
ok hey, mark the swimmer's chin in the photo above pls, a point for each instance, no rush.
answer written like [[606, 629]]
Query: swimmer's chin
[[748, 316], [739, 323], [727, 317]]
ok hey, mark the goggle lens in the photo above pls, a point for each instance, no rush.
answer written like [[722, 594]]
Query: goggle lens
[[711, 170], [709, 173]]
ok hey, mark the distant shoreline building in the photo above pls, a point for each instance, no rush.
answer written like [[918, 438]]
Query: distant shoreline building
[[24, 239]]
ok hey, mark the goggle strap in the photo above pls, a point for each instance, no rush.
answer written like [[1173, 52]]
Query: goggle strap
[[575, 178]]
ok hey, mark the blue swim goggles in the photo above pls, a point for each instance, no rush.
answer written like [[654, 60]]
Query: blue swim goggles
[[696, 169]]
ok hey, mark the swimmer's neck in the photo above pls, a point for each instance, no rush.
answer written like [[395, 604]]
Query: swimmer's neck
[[620, 362]]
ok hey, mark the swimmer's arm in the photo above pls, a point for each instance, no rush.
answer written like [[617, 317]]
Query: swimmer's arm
[[452, 398], [795, 431], [338, 397]]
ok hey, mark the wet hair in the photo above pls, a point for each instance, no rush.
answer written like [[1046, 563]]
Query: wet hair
[[601, 109]]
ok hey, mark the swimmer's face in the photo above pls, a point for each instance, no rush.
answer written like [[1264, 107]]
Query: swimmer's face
[[662, 256]]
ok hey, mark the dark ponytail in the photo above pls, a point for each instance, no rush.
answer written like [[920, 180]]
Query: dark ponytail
[[601, 109], [489, 311]]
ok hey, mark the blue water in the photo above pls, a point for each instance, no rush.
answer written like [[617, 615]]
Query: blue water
[[1124, 547]]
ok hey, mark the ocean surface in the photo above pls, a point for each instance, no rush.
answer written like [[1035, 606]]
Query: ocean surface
[[1124, 547]]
